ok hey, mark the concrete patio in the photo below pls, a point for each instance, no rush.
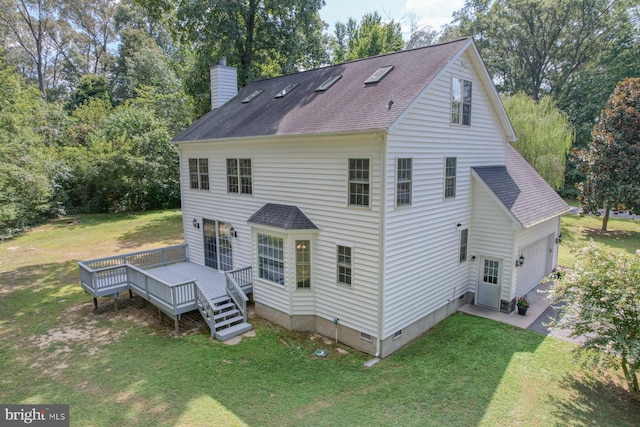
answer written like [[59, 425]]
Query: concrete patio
[[538, 315]]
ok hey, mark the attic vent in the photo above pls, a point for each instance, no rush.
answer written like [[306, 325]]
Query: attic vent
[[380, 74], [286, 90], [328, 83], [252, 96]]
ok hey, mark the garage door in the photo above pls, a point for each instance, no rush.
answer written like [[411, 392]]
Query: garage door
[[538, 259]]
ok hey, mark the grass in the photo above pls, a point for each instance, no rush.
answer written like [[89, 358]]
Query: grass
[[623, 235], [125, 368]]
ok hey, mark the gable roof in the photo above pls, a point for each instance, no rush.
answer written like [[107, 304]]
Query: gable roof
[[520, 190], [282, 216], [348, 105]]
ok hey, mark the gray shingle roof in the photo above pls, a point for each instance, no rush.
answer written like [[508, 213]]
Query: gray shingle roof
[[522, 190], [348, 105], [282, 216]]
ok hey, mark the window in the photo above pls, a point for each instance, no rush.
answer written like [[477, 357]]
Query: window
[[380, 74], [397, 334], [460, 101], [328, 83], [303, 263], [403, 182], [271, 258], [199, 174], [366, 337], [284, 92], [252, 96], [344, 265], [450, 177], [239, 176], [359, 182], [490, 271], [464, 236]]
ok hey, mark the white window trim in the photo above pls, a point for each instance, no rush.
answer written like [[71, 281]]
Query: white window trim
[[344, 285], [461, 113], [239, 176], [444, 179], [396, 182], [348, 180], [199, 173]]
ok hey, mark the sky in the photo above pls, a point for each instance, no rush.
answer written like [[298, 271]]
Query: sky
[[434, 13]]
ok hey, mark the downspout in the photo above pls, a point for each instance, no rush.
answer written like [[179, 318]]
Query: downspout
[[382, 250]]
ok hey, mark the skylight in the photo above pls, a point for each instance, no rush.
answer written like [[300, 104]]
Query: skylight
[[328, 83], [252, 96], [378, 75], [284, 92]]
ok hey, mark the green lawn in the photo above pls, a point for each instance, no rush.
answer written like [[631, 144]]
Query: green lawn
[[622, 235], [125, 368]]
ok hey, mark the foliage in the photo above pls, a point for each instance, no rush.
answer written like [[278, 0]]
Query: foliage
[[27, 166], [369, 38], [536, 46], [523, 302], [90, 87], [544, 135], [602, 295], [611, 163], [261, 38], [125, 164]]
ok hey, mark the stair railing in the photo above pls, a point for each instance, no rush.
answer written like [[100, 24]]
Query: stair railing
[[237, 295]]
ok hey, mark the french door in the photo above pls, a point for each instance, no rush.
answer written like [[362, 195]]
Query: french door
[[218, 251]]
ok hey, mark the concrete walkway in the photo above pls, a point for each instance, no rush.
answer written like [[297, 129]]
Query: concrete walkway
[[538, 315]]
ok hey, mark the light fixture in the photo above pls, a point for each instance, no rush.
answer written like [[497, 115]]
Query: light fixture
[[473, 258], [559, 239], [232, 232], [520, 261], [196, 224]]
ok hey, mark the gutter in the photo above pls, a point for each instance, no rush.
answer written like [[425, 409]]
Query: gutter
[[382, 137]]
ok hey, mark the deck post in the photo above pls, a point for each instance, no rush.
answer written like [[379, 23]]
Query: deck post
[[159, 315], [95, 303], [130, 294], [176, 324], [115, 303]]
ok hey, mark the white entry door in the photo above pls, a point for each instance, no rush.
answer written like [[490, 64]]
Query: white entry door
[[488, 294]]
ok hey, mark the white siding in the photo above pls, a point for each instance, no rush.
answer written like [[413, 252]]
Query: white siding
[[310, 173], [224, 84], [422, 268], [534, 243], [492, 236]]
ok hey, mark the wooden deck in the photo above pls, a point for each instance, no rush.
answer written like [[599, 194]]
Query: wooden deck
[[211, 282], [166, 278]]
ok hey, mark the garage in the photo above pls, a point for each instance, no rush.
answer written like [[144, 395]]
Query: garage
[[538, 262]]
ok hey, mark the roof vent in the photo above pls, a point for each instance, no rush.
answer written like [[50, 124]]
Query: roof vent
[[284, 92], [380, 74], [328, 83], [252, 96]]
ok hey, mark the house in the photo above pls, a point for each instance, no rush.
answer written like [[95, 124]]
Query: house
[[371, 198], [364, 201]]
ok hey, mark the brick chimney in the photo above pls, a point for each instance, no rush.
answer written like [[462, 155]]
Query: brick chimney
[[224, 83]]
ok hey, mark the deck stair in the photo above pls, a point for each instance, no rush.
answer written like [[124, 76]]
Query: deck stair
[[223, 317]]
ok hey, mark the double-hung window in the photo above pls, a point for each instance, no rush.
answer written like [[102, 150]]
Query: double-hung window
[[303, 263], [403, 182], [199, 174], [239, 176], [344, 265], [450, 168], [271, 258], [460, 101], [359, 182]]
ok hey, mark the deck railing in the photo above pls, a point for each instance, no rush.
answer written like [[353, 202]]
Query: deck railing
[[243, 277], [235, 292], [175, 299], [144, 259], [108, 276]]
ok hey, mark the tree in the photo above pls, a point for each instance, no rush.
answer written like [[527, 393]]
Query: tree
[[602, 296], [262, 38], [612, 162], [90, 87], [420, 35], [27, 166], [536, 46], [544, 135], [370, 37]]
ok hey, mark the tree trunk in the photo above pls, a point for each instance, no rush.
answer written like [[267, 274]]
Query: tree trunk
[[631, 377], [605, 219]]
